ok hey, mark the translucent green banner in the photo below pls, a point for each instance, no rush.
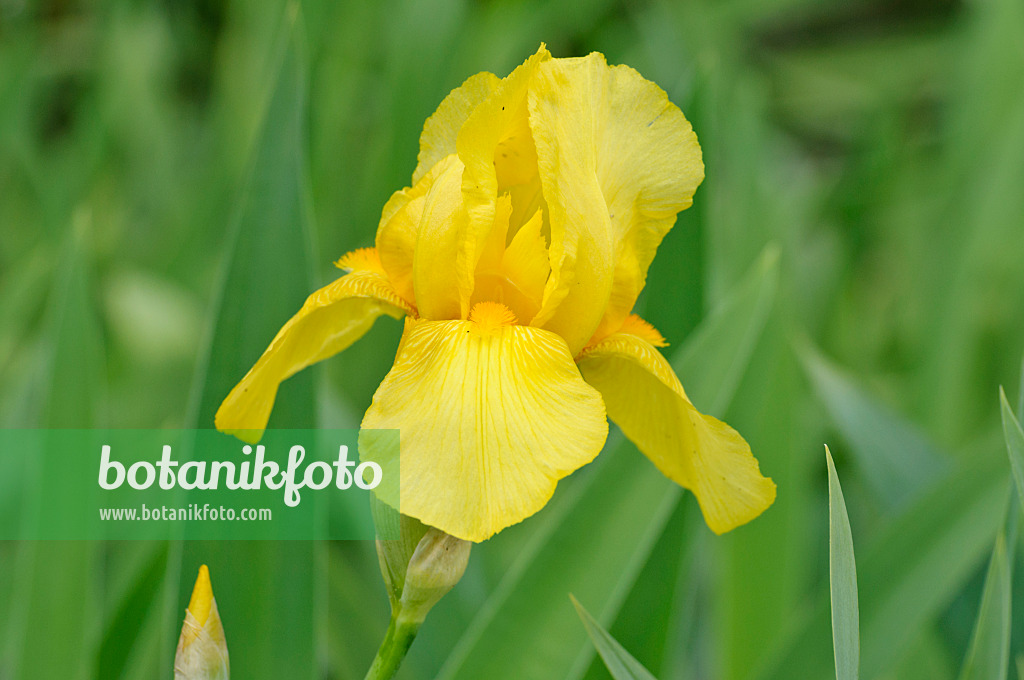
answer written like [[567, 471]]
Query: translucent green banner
[[190, 485]]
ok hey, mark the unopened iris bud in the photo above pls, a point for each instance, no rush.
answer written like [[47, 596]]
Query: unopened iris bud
[[436, 566], [398, 536], [420, 565], [202, 651]]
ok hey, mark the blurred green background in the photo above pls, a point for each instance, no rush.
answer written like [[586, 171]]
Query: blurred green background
[[175, 177]]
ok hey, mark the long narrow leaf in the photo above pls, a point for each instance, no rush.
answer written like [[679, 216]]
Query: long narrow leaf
[[989, 654], [265, 278], [909, 573], [55, 635], [130, 613], [1020, 393], [619, 662], [894, 458], [842, 581], [1014, 445]]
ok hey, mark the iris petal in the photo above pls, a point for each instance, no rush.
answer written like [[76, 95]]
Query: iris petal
[[398, 232], [491, 416], [498, 153], [331, 320], [442, 128], [617, 161], [644, 397], [438, 272]]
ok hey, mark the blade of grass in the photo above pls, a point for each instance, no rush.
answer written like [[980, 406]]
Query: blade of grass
[[607, 533], [989, 654], [619, 662], [842, 574], [1014, 445]]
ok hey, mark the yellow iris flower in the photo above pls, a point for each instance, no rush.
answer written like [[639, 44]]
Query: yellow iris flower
[[516, 257]]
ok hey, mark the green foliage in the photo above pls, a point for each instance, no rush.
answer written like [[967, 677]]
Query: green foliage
[[874, 433], [620, 663], [989, 654], [1014, 445], [842, 578], [162, 164], [48, 632], [265, 591]]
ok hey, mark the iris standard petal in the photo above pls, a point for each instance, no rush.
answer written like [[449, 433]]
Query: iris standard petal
[[617, 161], [332, 318], [442, 128], [497, 151], [512, 274], [496, 146], [398, 232], [644, 397], [442, 285], [491, 414]]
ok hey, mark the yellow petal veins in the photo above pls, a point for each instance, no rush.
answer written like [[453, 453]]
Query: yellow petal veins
[[491, 417]]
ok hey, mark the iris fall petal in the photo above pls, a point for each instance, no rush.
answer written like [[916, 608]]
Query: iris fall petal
[[644, 397], [492, 415], [331, 319]]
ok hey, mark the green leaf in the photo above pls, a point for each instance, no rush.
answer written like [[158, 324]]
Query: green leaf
[[357, 617], [660, 614], [842, 578], [265, 278], [908, 573], [22, 291], [598, 546], [894, 458], [989, 654], [54, 611], [619, 662], [133, 609], [712, 376], [266, 272], [1014, 445], [1020, 394]]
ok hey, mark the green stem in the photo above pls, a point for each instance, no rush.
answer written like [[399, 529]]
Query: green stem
[[393, 649]]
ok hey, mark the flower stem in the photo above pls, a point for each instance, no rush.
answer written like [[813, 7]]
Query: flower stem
[[393, 649]]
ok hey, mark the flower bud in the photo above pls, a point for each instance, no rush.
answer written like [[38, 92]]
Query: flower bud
[[397, 538], [202, 651], [437, 564]]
